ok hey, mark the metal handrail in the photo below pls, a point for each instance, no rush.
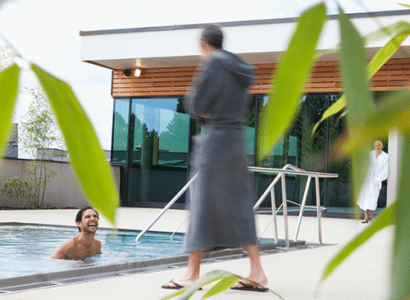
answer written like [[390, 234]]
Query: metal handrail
[[288, 169], [170, 203]]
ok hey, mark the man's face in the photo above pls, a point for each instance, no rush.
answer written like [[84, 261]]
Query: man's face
[[378, 146], [89, 221]]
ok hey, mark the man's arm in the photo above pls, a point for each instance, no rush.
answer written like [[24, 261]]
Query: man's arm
[[98, 247], [384, 174], [205, 92], [62, 251]]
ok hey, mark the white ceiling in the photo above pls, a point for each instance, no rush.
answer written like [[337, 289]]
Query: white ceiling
[[258, 42]]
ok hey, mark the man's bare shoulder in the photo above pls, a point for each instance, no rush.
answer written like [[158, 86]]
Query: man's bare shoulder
[[65, 248], [71, 243]]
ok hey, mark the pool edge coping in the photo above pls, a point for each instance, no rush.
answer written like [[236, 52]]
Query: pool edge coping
[[50, 279]]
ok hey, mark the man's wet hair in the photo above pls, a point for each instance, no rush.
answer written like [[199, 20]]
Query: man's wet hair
[[79, 216], [212, 34]]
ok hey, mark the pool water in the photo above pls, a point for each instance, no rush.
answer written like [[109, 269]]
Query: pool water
[[24, 249]]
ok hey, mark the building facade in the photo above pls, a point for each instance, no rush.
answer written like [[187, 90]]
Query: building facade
[[12, 150], [152, 133]]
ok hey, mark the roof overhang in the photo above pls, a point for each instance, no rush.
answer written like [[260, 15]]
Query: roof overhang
[[258, 41]]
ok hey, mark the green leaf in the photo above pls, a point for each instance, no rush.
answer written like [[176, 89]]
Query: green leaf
[[365, 125], [396, 28], [209, 277], [393, 111], [221, 286], [400, 273], [180, 292], [382, 56], [355, 79], [291, 76], [9, 81], [332, 110], [386, 52], [405, 5], [87, 158], [386, 218], [204, 280], [320, 53]]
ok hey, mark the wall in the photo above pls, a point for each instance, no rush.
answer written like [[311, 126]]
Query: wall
[[62, 191], [325, 77], [395, 146]]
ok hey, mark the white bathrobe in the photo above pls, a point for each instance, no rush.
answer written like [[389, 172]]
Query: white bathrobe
[[379, 170]]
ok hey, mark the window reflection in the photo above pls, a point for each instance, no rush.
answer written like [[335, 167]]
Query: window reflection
[[298, 148], [120, 131], [160, 132], [250, 131], [156, 132], [159, 135]]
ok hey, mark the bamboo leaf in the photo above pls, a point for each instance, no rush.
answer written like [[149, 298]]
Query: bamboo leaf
[[400, 273], [386, 218], [392, 112], [396, 28], [290, 78], [332, 110], [405, 5], [87, 158], [221, 286], [355, 81], [386, 52], [382, 56], [320, 53], [204, 280], [180, 292], [9, 81]]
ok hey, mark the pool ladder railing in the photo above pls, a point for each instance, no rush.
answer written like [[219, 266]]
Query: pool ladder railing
[[281, 174]]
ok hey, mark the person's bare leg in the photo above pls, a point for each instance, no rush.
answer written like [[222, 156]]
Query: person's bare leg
[[366, 216], [192, 273], [371, 215], [194, 264], [256, 274]]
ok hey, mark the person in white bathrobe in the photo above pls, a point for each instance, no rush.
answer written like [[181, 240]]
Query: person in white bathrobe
[[378, 172]]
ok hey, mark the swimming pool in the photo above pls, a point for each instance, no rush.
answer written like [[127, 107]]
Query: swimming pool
[[25, 248], [24, 251]]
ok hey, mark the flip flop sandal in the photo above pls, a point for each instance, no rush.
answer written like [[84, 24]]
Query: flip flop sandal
[[175, 286], [248, 287]]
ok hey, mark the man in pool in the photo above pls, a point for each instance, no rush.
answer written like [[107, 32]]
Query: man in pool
[[84, 244]]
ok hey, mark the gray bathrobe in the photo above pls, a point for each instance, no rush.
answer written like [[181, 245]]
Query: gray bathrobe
[[221, 205]]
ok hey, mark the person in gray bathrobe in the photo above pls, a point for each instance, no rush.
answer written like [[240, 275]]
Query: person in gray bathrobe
[[221, 205]]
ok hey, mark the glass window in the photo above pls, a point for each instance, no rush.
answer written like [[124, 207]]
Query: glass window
[[340, 189], [296, 147], [120, 130], [250, 130], [157, 130], [159, 133]]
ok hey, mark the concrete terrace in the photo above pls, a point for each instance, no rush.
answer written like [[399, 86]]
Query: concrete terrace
[[292, 274]]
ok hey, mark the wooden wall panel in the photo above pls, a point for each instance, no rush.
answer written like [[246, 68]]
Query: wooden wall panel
[[152, 82], [325, 77]]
